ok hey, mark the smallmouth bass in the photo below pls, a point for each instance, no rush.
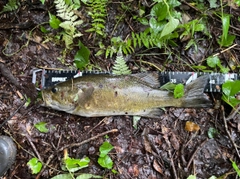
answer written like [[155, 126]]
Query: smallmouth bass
[[109, 95]]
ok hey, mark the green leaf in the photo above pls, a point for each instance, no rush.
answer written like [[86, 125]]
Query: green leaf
[[213, 61], [212, 132], [74, 165], [155, 25], [41, 126], [53, 21], [135, 121], [81, 58], [35, 165], [105, 162], [88, 176], [160, 11], [199, 67], [237, 2], [169, 27], [179, 91], [62, 176], [192, 177], [213, 3], [225, 25], [234, 165], [43, 29], [226, 42], [105, 148], [42, 1], [168, 86], [230, 89]]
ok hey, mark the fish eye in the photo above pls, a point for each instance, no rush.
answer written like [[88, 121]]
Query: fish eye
[[54, 90]]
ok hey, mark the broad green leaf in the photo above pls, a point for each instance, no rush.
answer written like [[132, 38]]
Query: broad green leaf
[[225, 25], [213, 61], [179, 91], [74, 165], [230, 89], [168, 86], [214, 177], [105, 162], [41, 126], [62, 176], [159, 11], [237, 2], [54, 21], [226, 42], [212, 132], [88, 176], [35, 165], [81, 59], [234, 165], [105, 148], [155, 25], [169, 27]]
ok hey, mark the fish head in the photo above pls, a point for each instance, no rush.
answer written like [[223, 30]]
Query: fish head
[[63, 98]]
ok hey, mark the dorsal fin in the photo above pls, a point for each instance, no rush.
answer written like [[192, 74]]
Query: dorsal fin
[[150, 79]]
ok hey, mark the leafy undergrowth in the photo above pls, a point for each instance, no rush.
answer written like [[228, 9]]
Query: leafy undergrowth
[[136, 36]]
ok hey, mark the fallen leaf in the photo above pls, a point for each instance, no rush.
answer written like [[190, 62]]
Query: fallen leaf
[[191, 126], [157, 167]]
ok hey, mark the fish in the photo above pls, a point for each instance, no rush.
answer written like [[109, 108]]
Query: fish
[[110, 95]]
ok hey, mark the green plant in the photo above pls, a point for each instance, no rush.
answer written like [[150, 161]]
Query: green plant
[[12, 5], [104, 160], [225, 39], [34, 165], [41, 126], [164, 20], [120, 67], [97, 11], [178, 91], [214, 61], [230, 89], [65, 10], [235, 167], [73, 165]]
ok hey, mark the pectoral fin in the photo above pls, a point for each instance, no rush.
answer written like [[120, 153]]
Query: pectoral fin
[[84, 94]]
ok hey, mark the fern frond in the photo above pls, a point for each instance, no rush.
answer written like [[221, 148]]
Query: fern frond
[[98, 13], [12, 5], [70, 20], [120, 67]]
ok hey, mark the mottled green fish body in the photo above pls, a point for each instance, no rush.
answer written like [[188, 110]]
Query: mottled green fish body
[[109, 95]]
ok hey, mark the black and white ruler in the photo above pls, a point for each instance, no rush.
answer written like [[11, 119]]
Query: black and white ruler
[[50, 78]]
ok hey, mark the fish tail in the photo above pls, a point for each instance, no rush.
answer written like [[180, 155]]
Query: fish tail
[[194, 93]]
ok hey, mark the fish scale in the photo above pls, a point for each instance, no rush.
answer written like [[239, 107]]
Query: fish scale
[[50, 78]]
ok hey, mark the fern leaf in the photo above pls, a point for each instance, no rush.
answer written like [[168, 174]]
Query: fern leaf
[[12, 5], [120, 67]]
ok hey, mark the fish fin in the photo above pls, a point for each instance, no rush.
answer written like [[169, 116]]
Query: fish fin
[[85, 94], [150, 79], [194, 93], [152, 113]]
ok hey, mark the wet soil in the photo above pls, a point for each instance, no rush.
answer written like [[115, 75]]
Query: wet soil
[[158, 148]]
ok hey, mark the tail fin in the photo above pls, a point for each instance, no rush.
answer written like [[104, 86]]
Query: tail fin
[[194, 93]]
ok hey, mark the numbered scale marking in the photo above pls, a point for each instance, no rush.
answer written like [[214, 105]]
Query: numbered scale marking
[[50, 78]]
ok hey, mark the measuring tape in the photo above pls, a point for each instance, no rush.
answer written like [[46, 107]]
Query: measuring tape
[[50, 78]]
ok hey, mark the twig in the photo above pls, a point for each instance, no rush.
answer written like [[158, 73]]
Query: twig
[[10, 117], [225, 50], [34, 148], [235, 111], [198, 148], [228, 133], [87, 140]]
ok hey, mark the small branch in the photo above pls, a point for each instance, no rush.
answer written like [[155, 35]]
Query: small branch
[[228, 133], [45, 165], [88, 140], [225, 50], [198, 148], [34, 148]]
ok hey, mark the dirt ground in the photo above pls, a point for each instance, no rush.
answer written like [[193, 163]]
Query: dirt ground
[[158, 148]]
